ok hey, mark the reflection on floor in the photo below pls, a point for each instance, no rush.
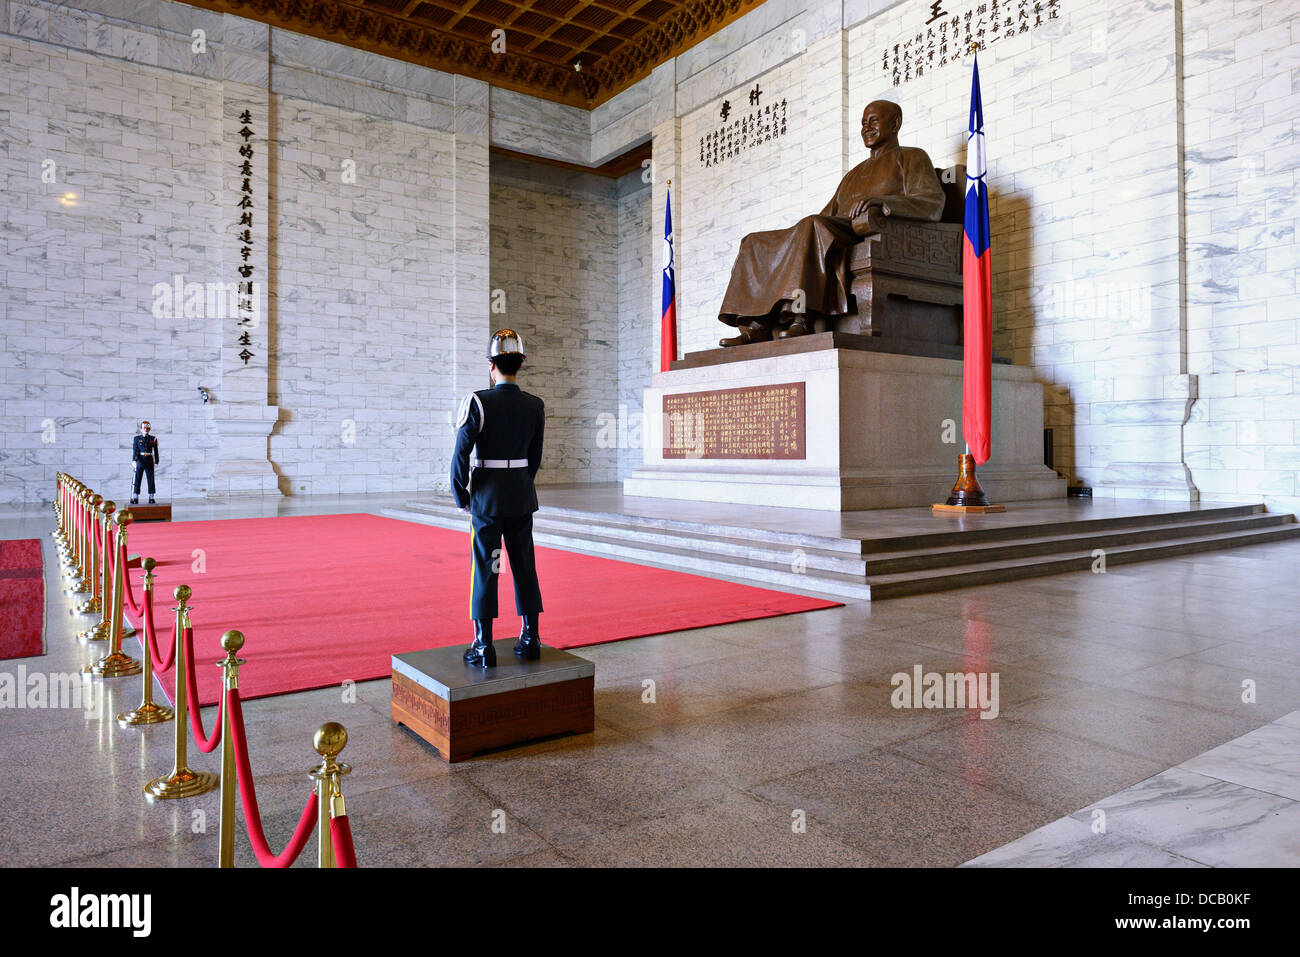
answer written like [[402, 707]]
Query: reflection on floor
[[1105, 682]]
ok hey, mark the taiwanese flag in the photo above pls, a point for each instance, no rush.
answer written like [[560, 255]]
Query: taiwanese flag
[[977, 290], [668, 324]]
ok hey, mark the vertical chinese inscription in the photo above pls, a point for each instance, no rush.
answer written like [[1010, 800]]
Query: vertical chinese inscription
[[244, 228], [754, 422]]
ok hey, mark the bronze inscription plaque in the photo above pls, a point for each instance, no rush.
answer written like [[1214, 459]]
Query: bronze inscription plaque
[[755, 422]]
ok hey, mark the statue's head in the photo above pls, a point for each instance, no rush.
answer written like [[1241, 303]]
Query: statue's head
[[881, 121]]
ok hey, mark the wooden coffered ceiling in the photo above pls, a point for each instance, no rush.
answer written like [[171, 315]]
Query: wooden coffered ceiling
[[580, 52]]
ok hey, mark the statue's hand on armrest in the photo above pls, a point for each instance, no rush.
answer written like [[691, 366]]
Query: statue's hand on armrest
[[868, 217]]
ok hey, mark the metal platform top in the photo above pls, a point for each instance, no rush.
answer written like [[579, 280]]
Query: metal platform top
[[443, 672]]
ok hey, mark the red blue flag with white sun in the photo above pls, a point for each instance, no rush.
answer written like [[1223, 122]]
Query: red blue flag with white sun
[[668, 299], [977, 289]]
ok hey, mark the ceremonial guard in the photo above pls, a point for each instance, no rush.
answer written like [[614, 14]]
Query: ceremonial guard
[[144, 453], [498, 452]]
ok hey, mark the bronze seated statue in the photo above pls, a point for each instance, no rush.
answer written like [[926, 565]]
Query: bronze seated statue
[[904, 283]]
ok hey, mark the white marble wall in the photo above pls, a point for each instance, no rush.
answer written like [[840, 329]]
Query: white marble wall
[[362, 301], [639, 291], [1081, 122], [132, 153], [555, 260], [1243, 314], [373, 292]]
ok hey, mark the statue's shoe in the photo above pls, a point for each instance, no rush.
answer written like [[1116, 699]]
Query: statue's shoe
[[754, 332], [794, 329]]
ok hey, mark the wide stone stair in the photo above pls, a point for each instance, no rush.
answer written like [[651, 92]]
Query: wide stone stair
[[873, 569]]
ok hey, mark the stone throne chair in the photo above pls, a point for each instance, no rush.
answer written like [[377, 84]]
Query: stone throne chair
[[906, 279]]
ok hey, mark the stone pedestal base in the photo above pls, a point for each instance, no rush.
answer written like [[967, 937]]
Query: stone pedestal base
[[243, 466], [462, 710], [880, 431]]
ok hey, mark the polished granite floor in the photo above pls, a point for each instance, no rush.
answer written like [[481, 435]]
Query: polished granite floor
[[1133, 677]]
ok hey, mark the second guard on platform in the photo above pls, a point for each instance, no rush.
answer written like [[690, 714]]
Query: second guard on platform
[[498, 452], [144, 455]]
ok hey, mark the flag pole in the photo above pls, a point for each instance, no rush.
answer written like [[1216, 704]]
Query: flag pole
[[967, 496]]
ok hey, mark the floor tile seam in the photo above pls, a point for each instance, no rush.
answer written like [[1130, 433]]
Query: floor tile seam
[[1129, 839], [1086, 742], [1163, 699], [999, 791], [1236, 784]]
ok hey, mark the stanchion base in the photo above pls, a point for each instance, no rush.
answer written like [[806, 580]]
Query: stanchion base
[[98, 633], [116, 664], [146, 714], [182, 783], [968, 509], [91, 606], [77, 586]]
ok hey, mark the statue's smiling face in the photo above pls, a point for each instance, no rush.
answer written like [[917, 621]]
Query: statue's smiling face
[[880, 124]]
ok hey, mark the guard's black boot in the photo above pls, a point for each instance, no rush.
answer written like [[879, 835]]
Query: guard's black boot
[[151, 501], [135, 499], [529, 645], [481, 654]]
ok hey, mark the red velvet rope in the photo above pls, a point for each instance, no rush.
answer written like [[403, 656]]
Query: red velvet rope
[[151, 638], [248, 796], [345, 854], [201, 740], [126, 577]]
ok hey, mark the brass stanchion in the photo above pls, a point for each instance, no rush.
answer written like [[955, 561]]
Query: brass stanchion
[[181, 782], [148, 712], [60, 493], [69, 553], [117, 663], [329, 741], [99, 632], [92, 604], [231, 641]]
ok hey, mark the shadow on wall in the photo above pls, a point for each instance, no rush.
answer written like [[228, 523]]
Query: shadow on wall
[[1021, 330]]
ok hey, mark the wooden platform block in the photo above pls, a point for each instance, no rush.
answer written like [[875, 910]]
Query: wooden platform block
[[462, 710], [151, 513], [967, 509]]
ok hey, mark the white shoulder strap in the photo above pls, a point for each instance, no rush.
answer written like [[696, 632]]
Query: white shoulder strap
[[463, 415]]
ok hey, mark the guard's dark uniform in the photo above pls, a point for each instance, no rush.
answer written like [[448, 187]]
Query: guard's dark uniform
[[144, 453], [503, 426]]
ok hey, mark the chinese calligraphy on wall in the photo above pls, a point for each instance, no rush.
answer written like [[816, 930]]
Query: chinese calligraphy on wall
[[755, 422], [947, 37], [245, 313], [740, 131]]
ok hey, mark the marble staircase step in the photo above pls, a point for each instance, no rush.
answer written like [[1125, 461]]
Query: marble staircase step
[[780, 573], [905, 560], [876, 569], [984, 573], [639, 523], [999, 532], [745, 545]]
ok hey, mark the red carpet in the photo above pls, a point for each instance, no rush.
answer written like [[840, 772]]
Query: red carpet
[[322, 599], [22, 599]]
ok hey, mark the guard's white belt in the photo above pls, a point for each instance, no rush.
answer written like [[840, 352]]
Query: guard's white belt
[[499, 463]]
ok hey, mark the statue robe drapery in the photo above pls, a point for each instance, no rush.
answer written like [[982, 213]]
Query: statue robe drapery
[[812, 255]]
